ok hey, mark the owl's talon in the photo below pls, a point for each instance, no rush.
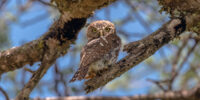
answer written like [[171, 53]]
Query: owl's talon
[[92, 75]]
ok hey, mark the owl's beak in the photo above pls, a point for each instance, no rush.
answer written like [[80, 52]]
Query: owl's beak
[[101, 32]]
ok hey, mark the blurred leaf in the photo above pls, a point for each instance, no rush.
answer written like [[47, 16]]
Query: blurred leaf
[[4, 41]]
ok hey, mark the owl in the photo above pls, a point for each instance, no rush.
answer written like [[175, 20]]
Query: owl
[[100, 52]]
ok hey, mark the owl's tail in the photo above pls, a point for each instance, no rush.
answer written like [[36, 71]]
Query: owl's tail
[[80, 74], [75, 77]]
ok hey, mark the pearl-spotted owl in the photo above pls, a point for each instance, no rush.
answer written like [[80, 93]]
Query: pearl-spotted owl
[[100, 52]]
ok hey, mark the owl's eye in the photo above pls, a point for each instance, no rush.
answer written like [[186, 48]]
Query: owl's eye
[[94, 30], [107, 29]]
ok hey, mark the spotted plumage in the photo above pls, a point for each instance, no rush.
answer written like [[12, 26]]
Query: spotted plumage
[[100, 52]]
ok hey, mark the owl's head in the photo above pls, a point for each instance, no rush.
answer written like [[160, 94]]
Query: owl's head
[[100, 28]]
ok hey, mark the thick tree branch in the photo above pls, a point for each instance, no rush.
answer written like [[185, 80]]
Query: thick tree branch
[[63, 30], [189, 8], [139, 51], [51, 45], [63, 33], [53, 48]]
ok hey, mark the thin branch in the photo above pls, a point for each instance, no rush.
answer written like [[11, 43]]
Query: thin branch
[[59, 77], [4, 93], [29, 70], [175, 62], [158, 84], [24, 7], [188, 54], [176, 72], [2, 3], [48, 60], [192, 94]]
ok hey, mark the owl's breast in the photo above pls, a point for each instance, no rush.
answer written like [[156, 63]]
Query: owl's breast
[[105, 61]]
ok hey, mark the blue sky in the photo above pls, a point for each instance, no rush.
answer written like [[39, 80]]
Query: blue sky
[[20, 34]]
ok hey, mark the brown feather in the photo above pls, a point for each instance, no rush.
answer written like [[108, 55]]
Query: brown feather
[[93, 52]]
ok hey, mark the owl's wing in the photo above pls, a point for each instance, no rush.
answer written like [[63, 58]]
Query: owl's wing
[[94, 51]]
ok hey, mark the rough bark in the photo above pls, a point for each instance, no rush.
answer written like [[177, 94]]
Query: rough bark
[[140, 50], [52, 44], [189, 8], [63, 32], [60, 31]]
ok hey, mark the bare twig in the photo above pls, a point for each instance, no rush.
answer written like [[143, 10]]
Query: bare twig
[[24, 7], [192, 94], [2, 3], [175, 72], [29, 70], [48, 60], [158, 84], [188, 54], [175, 62], [4, 93], [60, 78]]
